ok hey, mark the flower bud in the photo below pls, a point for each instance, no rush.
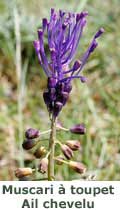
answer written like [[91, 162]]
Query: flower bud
[[40, 152], [68, 87], [32, 133], [46, 97], [43, 166], [67, 151], [78, 167], [78, 17], [99, 33], [36, 44], [48, 100], [63, 97], [93, 46], [83, 14], [64, 25], [57, 108], [52, 94], [50, 107], [83, 79], [44, 23], [73, 144], [78, 129], [29, 144], [77, 65], [59, 159], [60, 87], [51, 82], [21, 172]]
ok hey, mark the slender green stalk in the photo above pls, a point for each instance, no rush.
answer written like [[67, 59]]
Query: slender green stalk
[[52, 150]]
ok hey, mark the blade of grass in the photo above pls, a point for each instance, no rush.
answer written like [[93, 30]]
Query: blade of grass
[[18, 62]]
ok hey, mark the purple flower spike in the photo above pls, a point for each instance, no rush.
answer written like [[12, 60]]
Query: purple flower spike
[[64, 31]]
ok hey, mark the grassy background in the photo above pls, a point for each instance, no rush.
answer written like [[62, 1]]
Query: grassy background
[[96, 103]]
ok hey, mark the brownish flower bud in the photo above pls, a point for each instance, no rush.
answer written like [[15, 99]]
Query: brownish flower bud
[[29, 144], [32, 133], [78, 129], [67, 151], [40, 152], [21, 172], [43, 166], [78, 167], [73, 144], [59, 159]]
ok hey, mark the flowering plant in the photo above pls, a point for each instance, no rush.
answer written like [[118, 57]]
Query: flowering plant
[[64, 31]]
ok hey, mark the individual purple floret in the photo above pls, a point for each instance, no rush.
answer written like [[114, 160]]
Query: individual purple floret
[[64, 31]]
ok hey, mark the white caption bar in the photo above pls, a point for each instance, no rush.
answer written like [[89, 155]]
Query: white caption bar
[[61, 195]]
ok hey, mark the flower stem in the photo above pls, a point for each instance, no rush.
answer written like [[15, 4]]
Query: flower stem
[[62, 128], [63, 161], [45, 132], [52, 150], [58, 142]]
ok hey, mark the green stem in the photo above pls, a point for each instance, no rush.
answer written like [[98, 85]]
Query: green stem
[[52, 150]]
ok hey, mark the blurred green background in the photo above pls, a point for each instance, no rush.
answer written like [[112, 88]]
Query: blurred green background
[[22, 81]]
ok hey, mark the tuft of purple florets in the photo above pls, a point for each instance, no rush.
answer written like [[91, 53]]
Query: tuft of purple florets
[[64, 30]]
